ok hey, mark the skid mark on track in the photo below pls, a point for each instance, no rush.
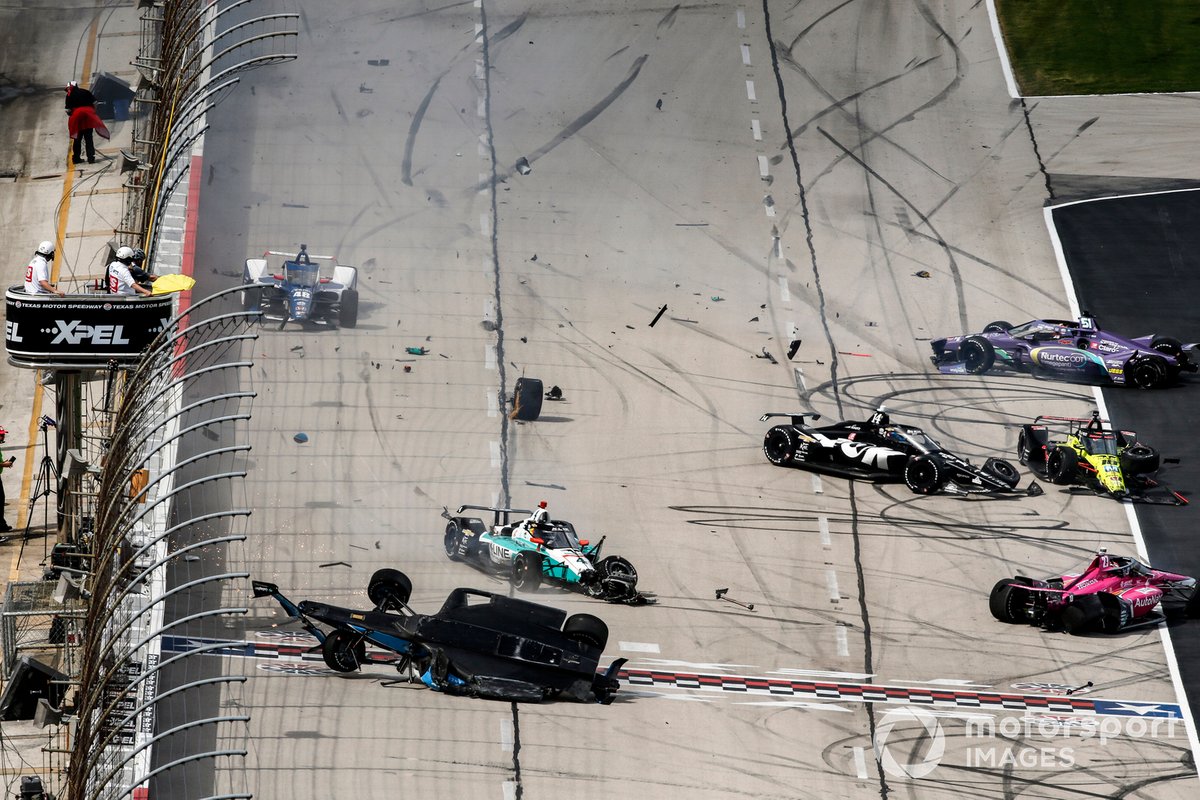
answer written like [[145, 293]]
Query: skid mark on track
[[414, 126]]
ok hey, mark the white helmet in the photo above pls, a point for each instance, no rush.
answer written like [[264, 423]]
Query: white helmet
[[46, 249], [125, 254]]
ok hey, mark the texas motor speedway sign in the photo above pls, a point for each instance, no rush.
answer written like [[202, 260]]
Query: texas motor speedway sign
[[81, 329]]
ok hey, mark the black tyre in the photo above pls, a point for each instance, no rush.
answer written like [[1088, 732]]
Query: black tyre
[[1002, 471], [344, 651], [924, 475], [527, 399], [977, 355], [1007, 602], [1031, 445], [1083, 615], [779, 445], [389, 589], [1167, 346], [1192, 609], [999, 326], [527, 572], [452, 541], [586, 629], [1147, 372], [348, 308], [1062, 466], [1139, 459]]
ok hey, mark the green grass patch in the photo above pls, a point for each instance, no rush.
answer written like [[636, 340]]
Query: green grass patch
[[1102, 46]]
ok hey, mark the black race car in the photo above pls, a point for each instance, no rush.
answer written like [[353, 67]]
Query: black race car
[[479, 644], [877, 450]]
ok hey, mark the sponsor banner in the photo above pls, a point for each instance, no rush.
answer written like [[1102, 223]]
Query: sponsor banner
[[82, 329]]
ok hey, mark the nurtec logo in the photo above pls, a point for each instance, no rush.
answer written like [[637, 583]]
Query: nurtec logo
[[933, 731]]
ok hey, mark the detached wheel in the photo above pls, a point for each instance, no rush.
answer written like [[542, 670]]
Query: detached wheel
[[348, 308], [527, 572], [586, 629], [1002, 471], [1140, 459], [1147, 372], [452, 541], [389, 589], [527, 400], [1007, 602], [999, 326], [1062, 466], [924, 475], [977, 355], [779, 445], [344, 651]]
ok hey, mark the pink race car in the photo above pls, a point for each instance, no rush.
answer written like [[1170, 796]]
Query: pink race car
[[1113, 593]]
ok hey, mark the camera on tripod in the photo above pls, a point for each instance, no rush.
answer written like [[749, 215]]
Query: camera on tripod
[[47, 422]]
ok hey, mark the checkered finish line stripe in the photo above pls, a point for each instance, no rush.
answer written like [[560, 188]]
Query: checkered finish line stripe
[[912, 695], [304, 648]]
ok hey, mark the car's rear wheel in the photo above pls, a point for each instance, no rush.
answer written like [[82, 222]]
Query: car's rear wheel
[[1002, 471], [1139, 459], [527, 571], [1167, 346], [586, 629], [452, 541], [1147, 372], [1000, 326], [344, 651], [1062, 465], [977, 354], [779, 445], [924, 475], [389, 589], [1083, 615], [1007, 602], [348, 308]]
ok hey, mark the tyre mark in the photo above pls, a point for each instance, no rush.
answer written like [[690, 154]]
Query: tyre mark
[[580, 122], [411, 140], [668, 20]]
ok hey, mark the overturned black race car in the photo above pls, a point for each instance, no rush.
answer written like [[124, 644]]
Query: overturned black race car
[[479, 644]]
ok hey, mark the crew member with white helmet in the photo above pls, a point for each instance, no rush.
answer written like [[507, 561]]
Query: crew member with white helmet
[[119, 278], [37, 274]]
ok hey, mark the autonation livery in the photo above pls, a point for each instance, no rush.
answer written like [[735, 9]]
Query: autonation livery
[[1077, 351]]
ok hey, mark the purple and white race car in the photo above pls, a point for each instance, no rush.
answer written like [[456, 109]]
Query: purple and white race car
[[1076, 351]]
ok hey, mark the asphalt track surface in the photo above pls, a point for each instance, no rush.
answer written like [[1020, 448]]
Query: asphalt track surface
[[809, 166], [1133, 262]]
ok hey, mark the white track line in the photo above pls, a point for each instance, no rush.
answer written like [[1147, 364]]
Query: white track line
[[750, 92], [823, 527], [741, 18], [1005, 67]]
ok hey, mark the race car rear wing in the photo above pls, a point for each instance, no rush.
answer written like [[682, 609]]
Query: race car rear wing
[[1095, 419], [797, 419], [497, 512]]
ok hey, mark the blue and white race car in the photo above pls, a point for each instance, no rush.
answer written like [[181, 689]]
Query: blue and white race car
[[290, 288], [528, 553]]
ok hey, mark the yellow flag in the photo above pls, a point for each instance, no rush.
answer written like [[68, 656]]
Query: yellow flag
[[173, 283]]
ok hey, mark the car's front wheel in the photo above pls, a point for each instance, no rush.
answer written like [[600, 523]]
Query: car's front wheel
[[586, 629], [1000, 326], [452, 541], [344, 651], [1062, 466], [1140, 459], [977, 354], [1147, 372]]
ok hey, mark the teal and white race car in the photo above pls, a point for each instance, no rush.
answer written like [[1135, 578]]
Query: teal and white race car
[[529, 552]]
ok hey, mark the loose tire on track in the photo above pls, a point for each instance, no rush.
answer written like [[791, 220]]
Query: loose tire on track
[[1062, 465], [344, 651], [586, 629], [527, 571], [1140, 459], [389, 589], [924, 475], [1007, 602], [1002, 471], [779, 445], [527, 400], [977, 355]]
